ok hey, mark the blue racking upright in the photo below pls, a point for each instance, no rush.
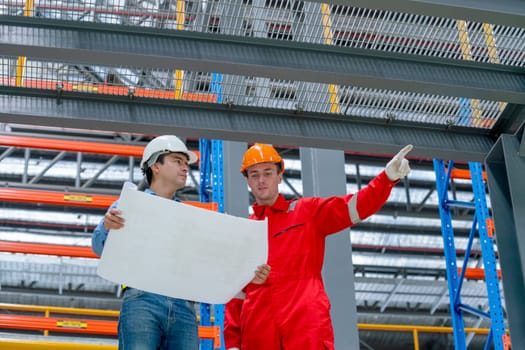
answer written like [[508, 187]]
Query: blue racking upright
[[482, 224], [212, 182], [211, 188]]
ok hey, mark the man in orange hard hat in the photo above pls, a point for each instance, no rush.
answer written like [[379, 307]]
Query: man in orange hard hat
[[291, 310]]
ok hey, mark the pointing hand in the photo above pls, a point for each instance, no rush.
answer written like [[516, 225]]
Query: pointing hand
[[398, 166]]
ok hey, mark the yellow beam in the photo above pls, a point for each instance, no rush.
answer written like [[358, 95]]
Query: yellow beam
[[492, 48], [20, 68], [21, 62], [328, 36], [179, 74], [464, 39], [28, 8], [490, 41], [416, 339], [58, 309], [425, 329], [466, 49]]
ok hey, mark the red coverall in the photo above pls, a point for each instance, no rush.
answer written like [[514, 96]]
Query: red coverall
[[291, 309]]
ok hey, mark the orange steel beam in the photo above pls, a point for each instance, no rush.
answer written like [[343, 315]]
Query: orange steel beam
[[71, 145], [31, 344], [73, 199], [490, 227], [55, 324], [506, 342], [476, 273], [104, 89], [56, 198], [47, 249], [211, 332], [77, 325], [464, 174]]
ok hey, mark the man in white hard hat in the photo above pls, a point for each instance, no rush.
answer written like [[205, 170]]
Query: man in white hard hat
[[148, 320]]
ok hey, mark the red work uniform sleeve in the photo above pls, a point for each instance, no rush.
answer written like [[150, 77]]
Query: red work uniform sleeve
[[334, 214], [372, 197], [232, 323]]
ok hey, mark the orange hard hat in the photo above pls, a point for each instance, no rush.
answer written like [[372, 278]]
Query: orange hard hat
[[261, 153]]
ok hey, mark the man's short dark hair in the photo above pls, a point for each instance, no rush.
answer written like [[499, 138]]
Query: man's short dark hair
[[149, 172]]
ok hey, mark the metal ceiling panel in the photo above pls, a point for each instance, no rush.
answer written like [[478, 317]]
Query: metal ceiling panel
[[261, 57], [506, 12], [237, 90]]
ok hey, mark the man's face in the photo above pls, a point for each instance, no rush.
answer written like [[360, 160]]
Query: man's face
[[173, 169], [263, 180]]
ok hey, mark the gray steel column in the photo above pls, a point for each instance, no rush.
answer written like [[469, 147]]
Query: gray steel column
[[236, 200], [505, 169], [323, 175]]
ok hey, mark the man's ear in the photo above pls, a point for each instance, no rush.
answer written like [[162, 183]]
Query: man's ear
[[155, 167]]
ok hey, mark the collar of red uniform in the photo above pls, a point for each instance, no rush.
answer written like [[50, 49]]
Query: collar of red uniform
[[280, 205]]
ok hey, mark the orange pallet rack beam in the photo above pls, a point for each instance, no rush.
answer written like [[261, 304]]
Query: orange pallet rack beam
[[55, 324], [73, 199], [476, 273], [56, 198], [464, 174], [73, 145], [105, 89], [506, 342], [84, 326], [32, 344], [47, 249]]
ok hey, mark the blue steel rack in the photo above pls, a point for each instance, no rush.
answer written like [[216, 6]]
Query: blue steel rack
[[212, 182], [211, 187], [480, 221]]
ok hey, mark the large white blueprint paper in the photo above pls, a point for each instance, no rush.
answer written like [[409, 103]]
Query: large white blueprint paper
[[182, 251]]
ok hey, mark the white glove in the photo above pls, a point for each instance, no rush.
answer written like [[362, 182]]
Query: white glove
[[398, 166]]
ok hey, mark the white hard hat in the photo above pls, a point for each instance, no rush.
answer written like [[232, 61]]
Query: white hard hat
[[162, 145]]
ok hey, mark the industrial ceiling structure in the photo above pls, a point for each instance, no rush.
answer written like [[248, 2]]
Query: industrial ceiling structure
[[363, 77]]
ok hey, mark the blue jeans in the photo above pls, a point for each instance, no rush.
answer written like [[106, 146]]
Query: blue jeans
[[153, 322]]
